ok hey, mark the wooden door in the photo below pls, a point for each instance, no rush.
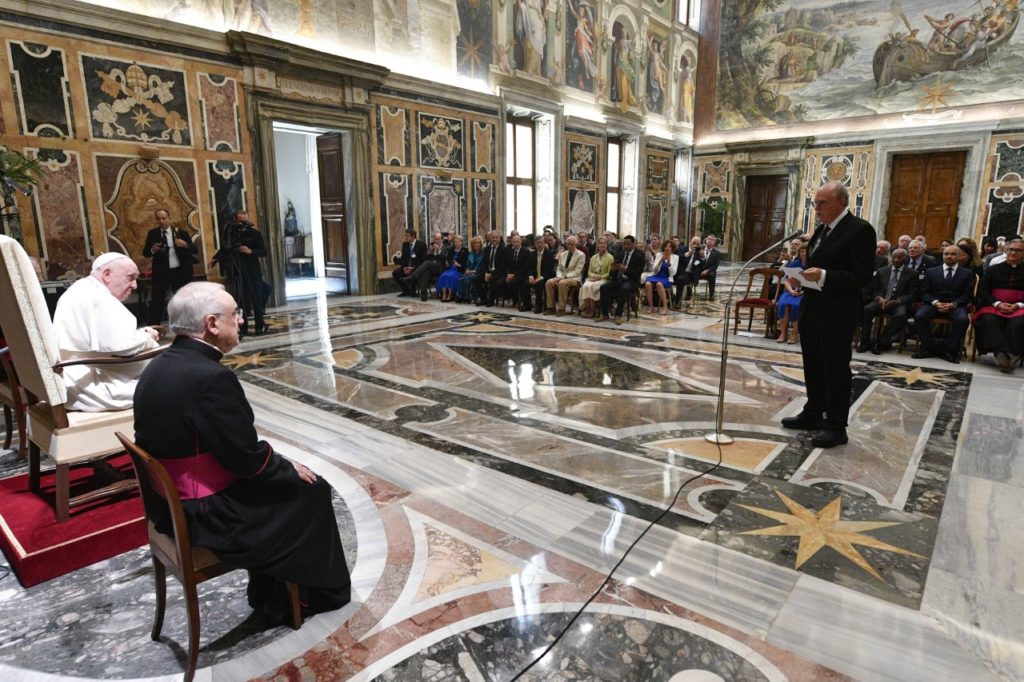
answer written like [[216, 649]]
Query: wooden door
[[764, 222], [924, 196], [331, 170]]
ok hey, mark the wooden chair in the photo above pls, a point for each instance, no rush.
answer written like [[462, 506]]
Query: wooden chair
[[175, 553], [67, 437], [12, 397], [762, 300]]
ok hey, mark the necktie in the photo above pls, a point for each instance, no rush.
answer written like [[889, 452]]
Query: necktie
[[540, 259], [821, 238], [949, 275], [625, 262], [494, 251], [893, 279]]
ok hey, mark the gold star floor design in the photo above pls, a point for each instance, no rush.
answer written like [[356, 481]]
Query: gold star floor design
[[825, 529], [255, 359], [915, 375]]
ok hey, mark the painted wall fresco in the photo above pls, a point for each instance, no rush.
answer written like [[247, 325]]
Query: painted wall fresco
[[1002, 207], [530, 30], [473, 52], [784, 62], [580, 46], [623, 66]]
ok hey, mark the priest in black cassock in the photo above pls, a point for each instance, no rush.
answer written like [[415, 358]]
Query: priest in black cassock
[[247, 504]]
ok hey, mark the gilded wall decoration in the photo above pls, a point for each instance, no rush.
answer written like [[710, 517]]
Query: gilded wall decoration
[[715, 177], [392, 136], [851, 166], [483, 147], [61, 215], [395, 210], [141, 187], [442, 205], [473, 44], [133, 102], [655, 216], [485, 207], [581, 45], [218, 102], [40, 87], [582, 209], [582, 162], [837, 169], [441, 141], [919, 59], [658, 171]]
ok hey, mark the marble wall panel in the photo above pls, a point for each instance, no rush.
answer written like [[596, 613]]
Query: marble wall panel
[[852, 166], [218, 102], [484, 206], [442, 141], [656, 216], [132, 102], [582, 161], [40, 87], [392, 136], [227, 192], [483, 147], [1002, 205], [395, 210], [61, 215], [582, 210], [442, 205]]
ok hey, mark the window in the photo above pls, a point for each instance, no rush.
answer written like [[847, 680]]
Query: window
[[520, 162], [689, 13], [613, 186]]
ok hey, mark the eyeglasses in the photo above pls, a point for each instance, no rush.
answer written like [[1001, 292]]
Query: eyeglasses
[[237, 312], [1014, 250]]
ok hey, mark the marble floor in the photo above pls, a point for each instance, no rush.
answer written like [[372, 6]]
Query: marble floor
[[492, 466]]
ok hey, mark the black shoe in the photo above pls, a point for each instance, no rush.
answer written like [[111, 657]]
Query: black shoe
[[803, 422], [423, 295], [863, 347], [829, 438], [404, 293], [1004, 362], [921, 354], [952, 356], [877, 349]]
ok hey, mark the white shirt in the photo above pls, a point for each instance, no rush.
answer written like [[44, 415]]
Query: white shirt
[[172, 255], [89, 320]]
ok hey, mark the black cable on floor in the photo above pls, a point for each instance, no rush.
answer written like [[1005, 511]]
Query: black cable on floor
[[625, 554], [4, 572]]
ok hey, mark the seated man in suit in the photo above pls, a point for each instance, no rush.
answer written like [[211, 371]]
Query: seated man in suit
[[624, 281], [893, 290], [248, 505], [91, 318], [516, 265], [1000, 322], [917, 259], [568, 272], [691, 262], [432, 266], [540, 268], [412, 255], [882, 254], [709, 271], [946, 291], [493, 268]]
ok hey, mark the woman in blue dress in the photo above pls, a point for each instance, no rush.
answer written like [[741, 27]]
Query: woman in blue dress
[[467, 290], [789, 302], [448, 281], [665, 265]]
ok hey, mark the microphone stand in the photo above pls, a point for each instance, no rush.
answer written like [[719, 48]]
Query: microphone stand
[[718, 435]]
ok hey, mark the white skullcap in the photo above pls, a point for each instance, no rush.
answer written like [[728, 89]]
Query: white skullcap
[[105, 259]]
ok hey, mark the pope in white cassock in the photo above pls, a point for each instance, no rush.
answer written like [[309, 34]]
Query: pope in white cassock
[[91, 319]]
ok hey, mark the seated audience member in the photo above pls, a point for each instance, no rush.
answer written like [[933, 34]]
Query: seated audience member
[[690, 264], [989, 250], [598, 271], [881, 254], [665, 266], [448, 281], [625, 279], [516, 263], [583, 243], [675, 244], [788, 306], [944, 244], [904, 242], [414, 251], [893, 290], [432, 266], [924, 242], [468, 282], [711, 259], [946, 291], [917, 259], [90, 319], [493, 268], [248, 505], [568, 271], [652, 253], [614, 245], [541, 267], [969, 257], [999, 323]]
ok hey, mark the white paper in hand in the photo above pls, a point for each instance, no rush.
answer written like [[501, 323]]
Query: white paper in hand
[[798, 274]]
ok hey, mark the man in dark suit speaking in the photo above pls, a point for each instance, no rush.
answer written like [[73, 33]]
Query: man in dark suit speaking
[[841, 260], [172, 252]]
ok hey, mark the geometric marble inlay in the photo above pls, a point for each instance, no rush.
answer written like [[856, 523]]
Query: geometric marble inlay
[[745, 454]]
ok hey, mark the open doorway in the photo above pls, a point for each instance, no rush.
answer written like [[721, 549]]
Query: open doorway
[[312, 187]]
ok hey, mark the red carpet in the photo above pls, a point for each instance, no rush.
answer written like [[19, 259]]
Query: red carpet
[[39, 548]]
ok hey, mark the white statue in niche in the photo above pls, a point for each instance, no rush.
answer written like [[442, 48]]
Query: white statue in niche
[[581, 216]]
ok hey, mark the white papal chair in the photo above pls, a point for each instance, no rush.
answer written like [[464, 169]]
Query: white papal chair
[[67, 437]]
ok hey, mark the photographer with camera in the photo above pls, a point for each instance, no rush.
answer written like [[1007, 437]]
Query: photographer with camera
[[172, 251], [241, 247]]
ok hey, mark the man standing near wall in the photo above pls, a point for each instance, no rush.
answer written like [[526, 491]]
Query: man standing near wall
[[172, 252], [841, 261]]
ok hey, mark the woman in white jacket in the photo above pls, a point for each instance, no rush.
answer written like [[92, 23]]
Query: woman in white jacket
[[665, 266]]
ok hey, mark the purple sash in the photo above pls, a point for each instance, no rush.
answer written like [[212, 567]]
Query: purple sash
[[1005, 296]]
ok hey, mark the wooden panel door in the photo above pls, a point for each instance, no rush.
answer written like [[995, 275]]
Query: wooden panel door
[[924, 196], [331, 170], [765, 220]]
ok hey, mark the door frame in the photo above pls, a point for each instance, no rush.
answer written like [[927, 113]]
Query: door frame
[[976, 145], [791, 169]]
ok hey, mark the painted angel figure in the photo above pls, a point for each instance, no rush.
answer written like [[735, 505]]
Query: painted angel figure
[[657, 75], [531, 31]]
